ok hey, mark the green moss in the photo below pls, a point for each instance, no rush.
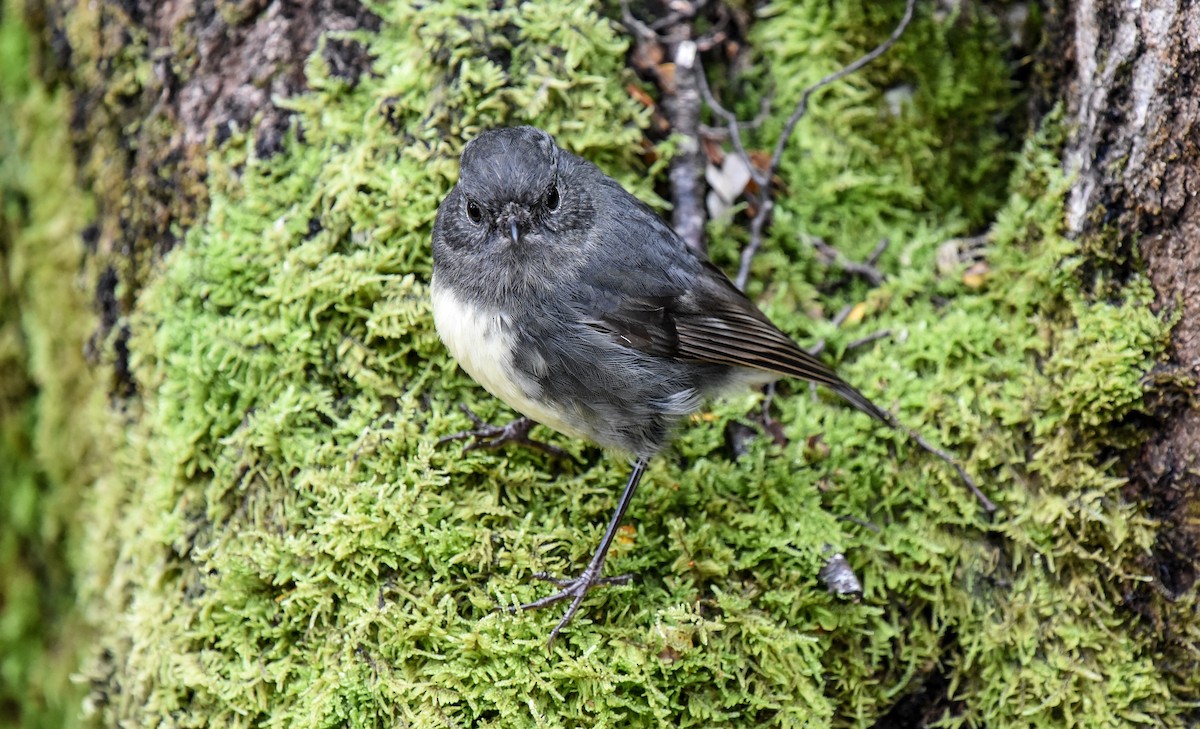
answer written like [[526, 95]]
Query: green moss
[[47, 405], [287, 545], [920, 138]]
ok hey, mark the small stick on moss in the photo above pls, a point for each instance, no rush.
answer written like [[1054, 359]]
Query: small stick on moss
[[873, 336], [682, 105], [763, 177], [866, 269], [837, 320], [711, 132], [933, 450], [861, 522], [895, 423]]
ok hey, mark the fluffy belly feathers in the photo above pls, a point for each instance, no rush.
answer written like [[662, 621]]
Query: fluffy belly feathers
[[482, 342]]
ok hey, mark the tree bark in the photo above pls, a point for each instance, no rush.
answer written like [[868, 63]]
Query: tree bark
[[216, 68], [1134, 97]]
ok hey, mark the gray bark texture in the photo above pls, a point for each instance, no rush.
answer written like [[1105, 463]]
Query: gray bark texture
[[1133, 92]]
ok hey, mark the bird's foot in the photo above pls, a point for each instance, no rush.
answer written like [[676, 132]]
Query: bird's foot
[[572, 589], [486, 435]]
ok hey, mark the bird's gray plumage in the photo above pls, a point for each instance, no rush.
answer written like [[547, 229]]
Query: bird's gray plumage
[[610, 319]]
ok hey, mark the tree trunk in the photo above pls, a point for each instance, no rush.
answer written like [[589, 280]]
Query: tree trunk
[[1134, 95]]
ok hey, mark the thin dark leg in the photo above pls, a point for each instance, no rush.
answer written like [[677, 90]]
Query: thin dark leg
[[578, 587]]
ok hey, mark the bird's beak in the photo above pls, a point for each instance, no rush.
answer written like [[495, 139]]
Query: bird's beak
[[515, 235]]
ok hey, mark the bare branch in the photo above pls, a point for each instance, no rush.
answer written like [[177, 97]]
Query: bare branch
[[764, 201], [946, 457], [765, 206], [865, 269], [877, 252], [872, 337], [682, 106], [731, 121], [631, 22]]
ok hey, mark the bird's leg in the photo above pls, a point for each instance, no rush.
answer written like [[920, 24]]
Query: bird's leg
[[575, 589], [490, 436]]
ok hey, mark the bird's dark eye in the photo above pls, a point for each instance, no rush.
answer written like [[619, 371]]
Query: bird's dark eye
[[474, 212], [552, 198]]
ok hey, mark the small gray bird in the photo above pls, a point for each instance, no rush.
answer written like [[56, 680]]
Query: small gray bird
[[572, 301]]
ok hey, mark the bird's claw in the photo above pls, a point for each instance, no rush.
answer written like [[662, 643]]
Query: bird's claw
[[486, 435], [565, 583], [574, 589]]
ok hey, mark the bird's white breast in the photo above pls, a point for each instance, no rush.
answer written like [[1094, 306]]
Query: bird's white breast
[[482, 341]]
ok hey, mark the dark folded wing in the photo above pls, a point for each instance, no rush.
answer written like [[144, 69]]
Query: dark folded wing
[[718, 324], [737, 338], [643, 323]]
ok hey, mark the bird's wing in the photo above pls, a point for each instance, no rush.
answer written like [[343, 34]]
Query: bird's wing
[[716, 323]]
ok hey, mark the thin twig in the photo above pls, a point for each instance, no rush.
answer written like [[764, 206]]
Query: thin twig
[[895, 423], [861, 522], [837, 320], [873, 337], [765, 206], [763, 177], [731, 121], [865, 269], [764, 112], [630, 20], [819, 347], [877, 252], [802, 107], [945, 457]]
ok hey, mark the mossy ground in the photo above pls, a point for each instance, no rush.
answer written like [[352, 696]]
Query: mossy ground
[[283, 543]]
